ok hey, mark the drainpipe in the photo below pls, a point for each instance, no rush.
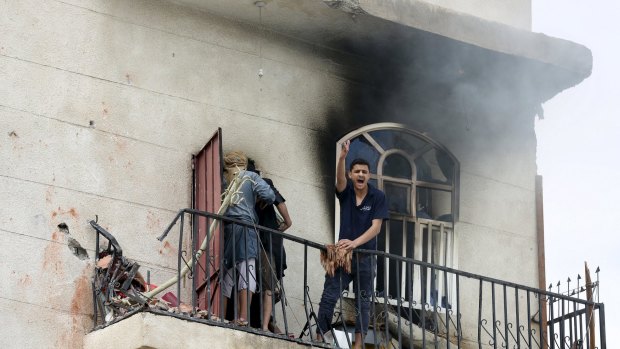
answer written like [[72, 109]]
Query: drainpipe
[[540, 230]]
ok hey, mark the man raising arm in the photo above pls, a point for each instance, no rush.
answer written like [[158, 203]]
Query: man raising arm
[[362, 211]]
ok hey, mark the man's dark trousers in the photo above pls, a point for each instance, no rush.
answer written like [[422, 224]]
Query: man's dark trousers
[[362, 266]]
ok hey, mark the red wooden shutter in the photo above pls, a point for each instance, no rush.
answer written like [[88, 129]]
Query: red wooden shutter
[[208, 167]]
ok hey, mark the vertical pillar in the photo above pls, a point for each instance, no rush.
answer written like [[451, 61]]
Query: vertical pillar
[[542, 279]]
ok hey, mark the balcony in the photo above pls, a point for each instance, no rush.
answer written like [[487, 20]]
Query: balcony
[[427, 305]]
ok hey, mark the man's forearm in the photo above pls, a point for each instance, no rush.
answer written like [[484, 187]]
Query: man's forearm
[[341, 178], [368, 234], [284, 213]]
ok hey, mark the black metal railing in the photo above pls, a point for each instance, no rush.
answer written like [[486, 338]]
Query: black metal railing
[[474, 311]]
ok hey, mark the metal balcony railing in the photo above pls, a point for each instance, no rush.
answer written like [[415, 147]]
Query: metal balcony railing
[[474, 311]]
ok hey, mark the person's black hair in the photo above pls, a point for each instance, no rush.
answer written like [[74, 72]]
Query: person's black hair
[[252, 166], [358, 161]]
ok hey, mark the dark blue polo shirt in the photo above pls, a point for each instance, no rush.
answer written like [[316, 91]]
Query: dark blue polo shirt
[[354, 219]]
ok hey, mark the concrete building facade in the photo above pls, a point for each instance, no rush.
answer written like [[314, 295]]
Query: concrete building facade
[[103, 104]]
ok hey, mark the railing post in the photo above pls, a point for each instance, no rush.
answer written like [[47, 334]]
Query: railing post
[[385, 298], [562, 325], [306, 292], [423, 271], [518, 327], [529, 320], [409, 292], [179, 257], [458, 312], [399, 265], [506, 339], [220, 274], [445, 279], [195, 267], [95, 288], [550, 326], [494, 315], [480, 315], [434, 307], [208, 255]]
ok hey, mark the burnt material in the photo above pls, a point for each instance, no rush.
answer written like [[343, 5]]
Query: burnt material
[[117, 284]]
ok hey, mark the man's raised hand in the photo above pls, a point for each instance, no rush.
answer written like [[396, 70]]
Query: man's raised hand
[[344, 150]]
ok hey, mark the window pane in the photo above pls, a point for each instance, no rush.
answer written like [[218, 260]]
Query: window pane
[[392, 139], [391, 240], [397, 166], [423, 169], [445, 164], [435, 166], [360, 148], [434, 204], [398, 197], [395, 267]]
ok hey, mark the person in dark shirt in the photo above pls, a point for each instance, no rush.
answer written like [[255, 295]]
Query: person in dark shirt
[[273, 262], [363, 209]]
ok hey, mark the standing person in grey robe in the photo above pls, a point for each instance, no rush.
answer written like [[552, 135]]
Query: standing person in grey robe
[[240, 241]]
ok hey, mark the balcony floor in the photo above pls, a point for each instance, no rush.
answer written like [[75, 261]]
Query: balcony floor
[[151, 330]]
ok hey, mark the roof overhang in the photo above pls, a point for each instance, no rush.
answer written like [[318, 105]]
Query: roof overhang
[[362, 26], [574, 58]]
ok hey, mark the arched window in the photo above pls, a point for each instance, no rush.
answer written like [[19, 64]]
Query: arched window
[[419, 178]]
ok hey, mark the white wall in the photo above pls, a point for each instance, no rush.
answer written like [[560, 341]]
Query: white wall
[[157, 80]]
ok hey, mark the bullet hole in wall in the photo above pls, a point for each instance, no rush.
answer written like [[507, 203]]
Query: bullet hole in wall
[[75, 247], [63, 228]]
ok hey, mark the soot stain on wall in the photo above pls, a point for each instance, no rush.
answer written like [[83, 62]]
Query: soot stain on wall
[[434, 85]]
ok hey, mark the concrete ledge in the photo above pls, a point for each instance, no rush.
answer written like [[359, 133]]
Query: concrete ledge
[[148, 330], [495, 36]]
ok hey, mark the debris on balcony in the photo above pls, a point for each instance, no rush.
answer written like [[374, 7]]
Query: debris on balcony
[[119, 287]]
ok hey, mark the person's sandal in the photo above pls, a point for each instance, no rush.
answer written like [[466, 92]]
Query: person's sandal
[[240, 323]]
